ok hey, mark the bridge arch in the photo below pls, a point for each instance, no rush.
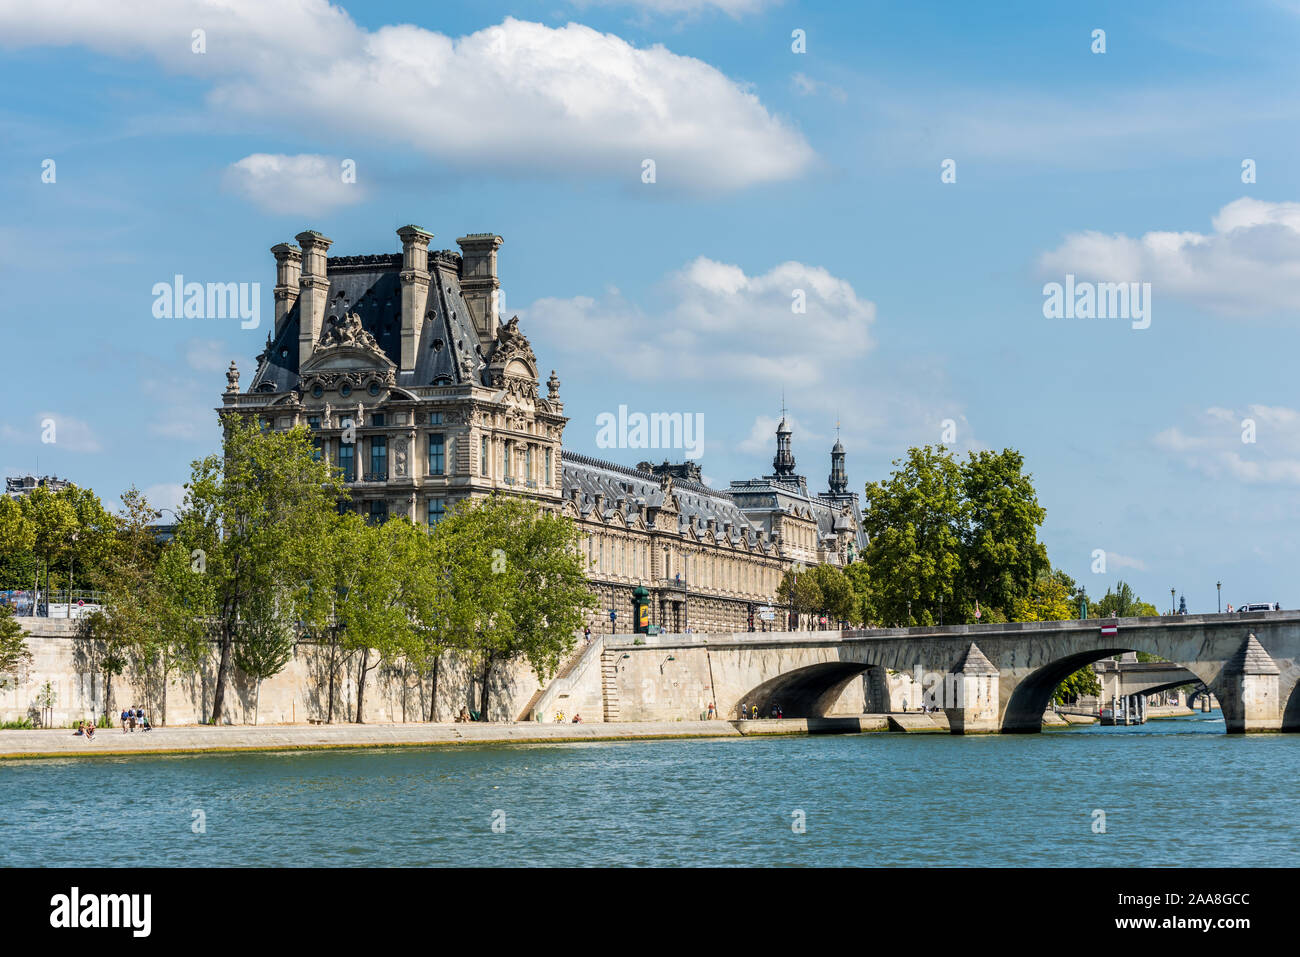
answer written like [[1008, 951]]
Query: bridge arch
[[811, 691], [1291, 713], [1033, 694]]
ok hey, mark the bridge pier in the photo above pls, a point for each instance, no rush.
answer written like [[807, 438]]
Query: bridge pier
[[1248, 691], [975, 708]]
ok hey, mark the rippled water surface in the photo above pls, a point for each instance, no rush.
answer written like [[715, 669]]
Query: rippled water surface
[[1174, 791]]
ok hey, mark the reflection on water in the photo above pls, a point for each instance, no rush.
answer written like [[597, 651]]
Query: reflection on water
[[1173, 790]]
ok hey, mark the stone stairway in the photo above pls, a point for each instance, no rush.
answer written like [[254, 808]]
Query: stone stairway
[[609, 685], [578, 651]]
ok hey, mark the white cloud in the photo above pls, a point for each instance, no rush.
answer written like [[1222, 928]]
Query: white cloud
[[732, 8], [304, 184], [805, 85], [518, 96], [1249, 264], [64, 432], [718, 324], [166, 495], [1116, 560], [762, 436], [1213, 444]]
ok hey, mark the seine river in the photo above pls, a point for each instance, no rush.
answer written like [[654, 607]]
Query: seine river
[[1174, 792]]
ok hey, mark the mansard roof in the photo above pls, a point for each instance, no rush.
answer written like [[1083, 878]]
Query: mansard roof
[[370, 286], [697, 502]]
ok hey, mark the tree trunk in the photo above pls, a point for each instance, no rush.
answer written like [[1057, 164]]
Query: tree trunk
[[333, 666], [257, 700], [108, 692], [361, 683], [433, 694], [483, 693], [219, 692]]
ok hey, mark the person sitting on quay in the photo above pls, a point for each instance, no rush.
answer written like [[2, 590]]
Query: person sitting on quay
[[577, 719], [90, 731], [81, 730], [463, 716]]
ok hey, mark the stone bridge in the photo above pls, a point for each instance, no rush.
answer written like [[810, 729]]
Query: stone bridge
[[1123, 678], [994, 677]]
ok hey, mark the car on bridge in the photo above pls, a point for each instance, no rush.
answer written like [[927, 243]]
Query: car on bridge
[[1261, 606]]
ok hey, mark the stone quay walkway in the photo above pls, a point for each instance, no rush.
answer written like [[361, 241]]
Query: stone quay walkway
[[199, 739]]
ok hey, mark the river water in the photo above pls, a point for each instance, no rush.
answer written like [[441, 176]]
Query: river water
[[1173, 792]]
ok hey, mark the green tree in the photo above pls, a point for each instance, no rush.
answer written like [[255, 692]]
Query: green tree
[[837, 598], [1082, 682], [386, 599], [92, 539], [109, 637], [1049, 599], [1122, 602], [265, 644], [258, 520], [799, 591], [859, 575], [176, 604], [53, 521], [916, 521], [17, 538], [945, 536], [512, 585], [1002, 558], [124, 568], [13, 645]]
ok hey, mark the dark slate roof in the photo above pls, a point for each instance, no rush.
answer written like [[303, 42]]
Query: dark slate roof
[[448, 351], [758, 495], [278, 369], [697, 502]]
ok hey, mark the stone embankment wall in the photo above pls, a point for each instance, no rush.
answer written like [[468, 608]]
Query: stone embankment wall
[[675, 677], [298, 693]]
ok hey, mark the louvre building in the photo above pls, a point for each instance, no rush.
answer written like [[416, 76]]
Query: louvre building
[[413, 386]]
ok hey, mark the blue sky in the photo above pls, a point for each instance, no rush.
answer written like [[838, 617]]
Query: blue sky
[[775, 171]]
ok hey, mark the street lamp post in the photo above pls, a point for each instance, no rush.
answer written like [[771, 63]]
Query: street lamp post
[[1218, 588], [1172, 606]]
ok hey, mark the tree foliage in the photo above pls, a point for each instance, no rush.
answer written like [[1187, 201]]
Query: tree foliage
[[13, 645], [945, 536], [513, 585], [257, 520]]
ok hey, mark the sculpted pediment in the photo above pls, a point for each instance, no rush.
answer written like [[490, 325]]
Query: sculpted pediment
[[346, 357], [345, 344]]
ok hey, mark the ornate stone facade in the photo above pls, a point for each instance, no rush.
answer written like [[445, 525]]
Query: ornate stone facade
[[410, 383]]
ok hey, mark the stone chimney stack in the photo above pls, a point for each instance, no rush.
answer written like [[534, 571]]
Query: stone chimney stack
[[288, 269], [314, 287], [479, 283], [415, 290]]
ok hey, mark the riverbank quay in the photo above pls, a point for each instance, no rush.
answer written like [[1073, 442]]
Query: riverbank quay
[[202, 739]]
